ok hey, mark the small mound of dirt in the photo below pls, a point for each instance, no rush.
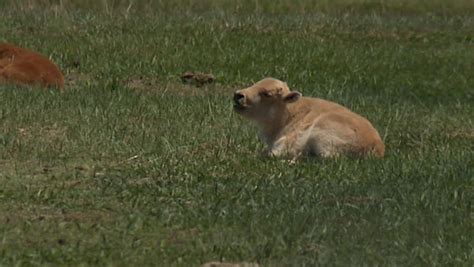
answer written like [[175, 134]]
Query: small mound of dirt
[[141, 82], [197, 78], [228, 264], [75, 78]]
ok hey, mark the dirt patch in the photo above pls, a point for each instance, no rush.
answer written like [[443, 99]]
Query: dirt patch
[[147, 85], [141, 181], [197, 78], [43, 214], [461, 134], [352, 200], [76, 78], [53, 132], [229, 264], [180, 237], [141, 83], [83, 217]]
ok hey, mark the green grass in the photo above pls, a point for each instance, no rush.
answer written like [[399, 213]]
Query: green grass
[[130, 167]]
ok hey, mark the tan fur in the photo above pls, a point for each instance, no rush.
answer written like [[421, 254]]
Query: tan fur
[[25, 67], [292, 125]]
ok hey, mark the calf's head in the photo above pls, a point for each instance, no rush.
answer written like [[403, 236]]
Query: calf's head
[[264, 100]]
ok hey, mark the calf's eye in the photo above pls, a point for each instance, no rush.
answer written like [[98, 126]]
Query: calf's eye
[[265, 94]]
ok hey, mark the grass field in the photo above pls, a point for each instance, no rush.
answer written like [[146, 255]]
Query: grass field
[[129, 167]]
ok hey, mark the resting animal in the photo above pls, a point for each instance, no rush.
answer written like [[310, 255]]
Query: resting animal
[[292, 125], [22, 66]]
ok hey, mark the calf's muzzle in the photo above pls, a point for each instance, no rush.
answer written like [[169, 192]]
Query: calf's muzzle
[[239, 99]]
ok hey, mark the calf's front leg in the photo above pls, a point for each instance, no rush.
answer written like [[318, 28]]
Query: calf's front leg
[[285, 147]]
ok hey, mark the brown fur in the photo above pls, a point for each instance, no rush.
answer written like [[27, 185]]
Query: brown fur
[[293, 125], [25, 67]]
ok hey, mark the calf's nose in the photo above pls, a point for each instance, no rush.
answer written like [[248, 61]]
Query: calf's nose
[[239, 98]]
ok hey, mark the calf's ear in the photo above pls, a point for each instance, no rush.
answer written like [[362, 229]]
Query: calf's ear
[[292, 97]]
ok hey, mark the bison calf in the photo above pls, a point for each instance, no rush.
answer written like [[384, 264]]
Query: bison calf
[[292, 125], [25, 67]]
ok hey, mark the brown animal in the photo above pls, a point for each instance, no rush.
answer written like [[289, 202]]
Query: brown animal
[[293, 125], [25, 67]]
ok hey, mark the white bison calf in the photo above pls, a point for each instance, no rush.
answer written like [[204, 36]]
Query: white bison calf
[[293, 125]]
